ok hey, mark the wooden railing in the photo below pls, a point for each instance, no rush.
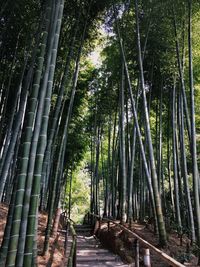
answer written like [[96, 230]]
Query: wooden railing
[[68, 224], [72, 255], [162, 255]]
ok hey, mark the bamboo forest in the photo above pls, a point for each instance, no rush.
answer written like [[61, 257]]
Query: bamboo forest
[[99, 133]]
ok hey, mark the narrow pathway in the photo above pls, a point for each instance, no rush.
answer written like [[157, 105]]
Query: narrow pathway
[[91, 253]]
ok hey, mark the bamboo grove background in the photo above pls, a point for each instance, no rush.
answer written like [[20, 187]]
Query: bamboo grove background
[[134, 120]]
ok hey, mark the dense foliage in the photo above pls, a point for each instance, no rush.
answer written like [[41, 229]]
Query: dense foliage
[[119, 138]]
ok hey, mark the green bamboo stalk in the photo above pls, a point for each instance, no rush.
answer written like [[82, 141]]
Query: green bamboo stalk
[[185, 172], [108, 178], [5, 242], [59, 165], [6, 238], [113, 178], [181, 76], [34, 201], [60, 162], [34, 144], [123, 152], [14, 235], [7, 91], [136, 122], [131, 170], [13, 129], [195, 172], [161, 224], [54, 125], [96, 173], [176, 189]]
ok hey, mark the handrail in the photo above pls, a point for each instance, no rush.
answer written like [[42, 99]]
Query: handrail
[[72, 255], [67, 218], [161, 254], [69, 223]]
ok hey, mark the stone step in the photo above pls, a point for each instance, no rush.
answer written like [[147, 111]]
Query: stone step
[[83, 226], [94, 250], [91, 254], [84, 230], [95, 258], [95, 254], [106, 264]]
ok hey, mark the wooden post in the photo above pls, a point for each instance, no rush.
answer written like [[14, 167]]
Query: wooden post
[[147, 260], [66, 237], [96, 227], [137, 253], [74, 257], [108, 226], [88, 218], [69, 264], [99, 224]]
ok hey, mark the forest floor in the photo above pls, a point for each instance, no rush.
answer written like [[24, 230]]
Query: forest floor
[[55, 256], [114, 239], [122, 244]]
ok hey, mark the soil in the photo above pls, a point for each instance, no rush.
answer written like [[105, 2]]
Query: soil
[[56, 249], [122, 243]]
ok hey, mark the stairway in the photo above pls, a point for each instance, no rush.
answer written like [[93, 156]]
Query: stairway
[[90, 251], [84, 229]]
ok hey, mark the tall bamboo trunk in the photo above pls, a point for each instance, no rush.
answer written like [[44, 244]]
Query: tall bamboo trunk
[[109, 165], [159, 163], [161, 224], [18, 121], [7, 90], [137, 123], [185, 172], [54, 124], [33, 151], [96, 175], [175, 170], [60, 161], [181, 77], [195, 173], [132, 164], [43, 110], [123, 151], [113, 179], [14, 234]]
